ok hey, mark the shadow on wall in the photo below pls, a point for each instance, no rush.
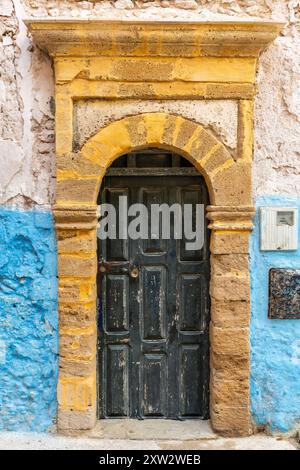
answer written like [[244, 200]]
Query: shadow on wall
[[28, 320], [275, 344]]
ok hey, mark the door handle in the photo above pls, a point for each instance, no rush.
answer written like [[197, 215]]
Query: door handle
[[123, 267], [134, 272], [105, 267]]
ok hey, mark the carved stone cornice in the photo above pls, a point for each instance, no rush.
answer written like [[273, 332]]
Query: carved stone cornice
[[75, 217], [231, 218], [90, 38]]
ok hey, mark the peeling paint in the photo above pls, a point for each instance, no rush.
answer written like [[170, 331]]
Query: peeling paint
[[26, 89]]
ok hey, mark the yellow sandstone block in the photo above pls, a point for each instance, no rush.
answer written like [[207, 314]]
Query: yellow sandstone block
[[76, 393], [154, 123], [245, 130], [107, 144], [214, 69]]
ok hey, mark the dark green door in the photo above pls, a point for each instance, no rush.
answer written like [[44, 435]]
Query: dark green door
[[153, 301]]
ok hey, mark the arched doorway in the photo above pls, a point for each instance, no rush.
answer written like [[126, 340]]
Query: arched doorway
[[153, 292], [139, 62], [230, 221]]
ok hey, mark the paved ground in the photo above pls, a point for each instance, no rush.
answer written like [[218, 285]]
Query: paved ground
[[144, 435], [17, 441]]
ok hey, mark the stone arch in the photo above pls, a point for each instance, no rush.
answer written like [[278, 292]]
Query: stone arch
[[208, 154]]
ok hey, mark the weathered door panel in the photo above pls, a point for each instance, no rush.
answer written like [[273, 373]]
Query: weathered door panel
[[153, 329]]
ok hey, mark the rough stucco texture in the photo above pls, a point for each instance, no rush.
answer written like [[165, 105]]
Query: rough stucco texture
[[275, 344], [28, 320], [26, 118], [219, 116]]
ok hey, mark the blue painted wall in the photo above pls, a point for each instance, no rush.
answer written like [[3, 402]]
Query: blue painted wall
[[275, 344], [29, 328], [28, 320]]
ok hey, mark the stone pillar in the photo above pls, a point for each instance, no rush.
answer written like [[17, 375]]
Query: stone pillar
[[77, 269], [230, 316]]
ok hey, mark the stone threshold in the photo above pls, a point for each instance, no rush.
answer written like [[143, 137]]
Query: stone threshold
[[152, 429]]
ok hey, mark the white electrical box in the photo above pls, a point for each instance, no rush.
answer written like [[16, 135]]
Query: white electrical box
[[278, 228]]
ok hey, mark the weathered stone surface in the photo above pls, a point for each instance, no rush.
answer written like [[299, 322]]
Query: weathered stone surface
[[77, 314], [231, 421], [26, 117], [78, 345], [77, 190], [75, 217], [75, 164], [226, 242], [70, 421], [141, 70], [73, 290], [202, 145], [230, 341], [230, 367], [230, 287], [245, 130], [157, 129], [233, 264], [75, 367], [120, 435], [227, 392], [137, 130], [76, 241], [77, 266], [233, 185], [216, 161], [76, 393], [230, 314], [184, 133], [162, 90]]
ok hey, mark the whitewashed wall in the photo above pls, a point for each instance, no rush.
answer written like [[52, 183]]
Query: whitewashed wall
[[26, 90]]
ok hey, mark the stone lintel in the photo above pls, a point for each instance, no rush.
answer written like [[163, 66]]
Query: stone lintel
[[87, 38]]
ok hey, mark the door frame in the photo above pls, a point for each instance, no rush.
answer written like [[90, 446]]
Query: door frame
[[177, 177], [138, 60]]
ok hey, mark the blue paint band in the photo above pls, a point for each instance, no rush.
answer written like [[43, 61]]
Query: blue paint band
[[275, 344], [29, 328], [28, 320]]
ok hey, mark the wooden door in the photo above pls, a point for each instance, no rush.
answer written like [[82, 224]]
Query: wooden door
[[153, 301]]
